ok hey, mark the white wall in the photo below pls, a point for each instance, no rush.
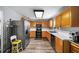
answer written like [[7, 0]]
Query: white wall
[[1, 29], [1, 19], [26, 24], [9, 13]]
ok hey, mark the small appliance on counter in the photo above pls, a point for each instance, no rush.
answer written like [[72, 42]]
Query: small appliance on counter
[[75, 36]]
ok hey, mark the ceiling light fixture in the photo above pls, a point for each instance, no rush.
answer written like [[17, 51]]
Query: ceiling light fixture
[[39, 13]]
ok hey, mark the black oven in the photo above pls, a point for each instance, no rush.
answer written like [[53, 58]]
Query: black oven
[[38, 31]]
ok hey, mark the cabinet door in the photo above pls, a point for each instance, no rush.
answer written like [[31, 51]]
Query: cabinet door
[[58, 21], [44, 34], [45, 24], [32, 34], [32, 24], [66, 18], [49, 36], [58, 45]]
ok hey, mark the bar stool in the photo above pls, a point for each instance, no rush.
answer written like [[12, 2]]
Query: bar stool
[[16, 44]]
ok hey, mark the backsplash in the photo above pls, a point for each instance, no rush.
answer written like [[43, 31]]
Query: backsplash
[[72, 29], [43, 29], [67, 31]]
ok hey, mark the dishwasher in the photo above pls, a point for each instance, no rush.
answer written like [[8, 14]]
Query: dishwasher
[[53, 41]]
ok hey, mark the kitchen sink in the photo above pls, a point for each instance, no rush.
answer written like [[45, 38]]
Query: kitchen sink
[[53, 31]]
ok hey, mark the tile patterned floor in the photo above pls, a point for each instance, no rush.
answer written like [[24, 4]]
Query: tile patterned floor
[[38, 46]]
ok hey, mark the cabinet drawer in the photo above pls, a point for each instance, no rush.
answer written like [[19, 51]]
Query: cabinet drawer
[[74, 48]]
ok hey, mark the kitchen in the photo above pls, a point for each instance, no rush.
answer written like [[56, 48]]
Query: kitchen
[[60, 30], [66, 25]]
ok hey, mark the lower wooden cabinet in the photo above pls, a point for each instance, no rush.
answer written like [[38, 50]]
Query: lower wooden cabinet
[[47, 35], [62, 46], [32, 34], [44, 34], [58, 45], [74, 48]]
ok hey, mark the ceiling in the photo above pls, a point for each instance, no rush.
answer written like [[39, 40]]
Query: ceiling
[[49, 11]]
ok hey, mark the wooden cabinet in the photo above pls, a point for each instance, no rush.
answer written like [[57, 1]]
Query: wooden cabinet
[[44, 34], [32, 24], [58, 45], [68, 18], [45, 24], [47, 35], [62, 46], [50, 23], [75, 16], [74, 47], [32, 34], [58, 21]]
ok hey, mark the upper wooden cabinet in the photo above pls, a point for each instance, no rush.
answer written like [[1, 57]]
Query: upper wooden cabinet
[[32, 24], [50, 23], [45, 24], [68, 18], [75, 16], [58, 21]]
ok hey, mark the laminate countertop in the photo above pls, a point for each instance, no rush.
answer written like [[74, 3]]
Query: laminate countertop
[[61, 36]]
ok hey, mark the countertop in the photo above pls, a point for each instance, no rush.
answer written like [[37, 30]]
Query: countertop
[[61, 36]]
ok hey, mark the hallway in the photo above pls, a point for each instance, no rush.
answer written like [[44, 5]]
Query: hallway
[[38, 46]]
